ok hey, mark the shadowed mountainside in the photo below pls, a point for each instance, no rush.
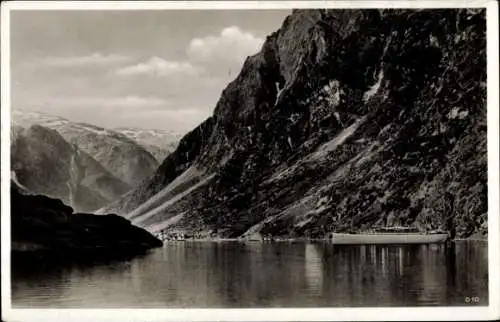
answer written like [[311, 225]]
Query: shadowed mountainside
[[44, 163], [345, 120], [121, 156]]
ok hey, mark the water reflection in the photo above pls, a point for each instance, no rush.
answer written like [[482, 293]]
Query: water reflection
[[314, 268], [234, 274]]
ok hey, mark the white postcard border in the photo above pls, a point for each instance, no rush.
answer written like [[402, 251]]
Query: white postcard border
[[490, 312]]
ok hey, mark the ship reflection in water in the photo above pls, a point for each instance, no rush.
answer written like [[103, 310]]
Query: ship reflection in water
[[253, 274]]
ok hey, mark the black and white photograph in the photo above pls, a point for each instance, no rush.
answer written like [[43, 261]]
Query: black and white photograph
[[307, 157]]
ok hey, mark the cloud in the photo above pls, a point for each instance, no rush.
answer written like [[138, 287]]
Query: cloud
[[177, 93], [121, 102], [207, 56], [133, 111], [156, 66], [232, 44], [95, 59], [181, 120]]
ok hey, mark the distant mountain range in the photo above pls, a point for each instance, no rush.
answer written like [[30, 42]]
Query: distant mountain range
[[160, 143], [83, 165]]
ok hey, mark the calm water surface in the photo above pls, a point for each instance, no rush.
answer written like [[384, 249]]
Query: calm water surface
[[234, 274]]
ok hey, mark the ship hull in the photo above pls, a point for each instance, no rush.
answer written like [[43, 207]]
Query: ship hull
[[352, 239]]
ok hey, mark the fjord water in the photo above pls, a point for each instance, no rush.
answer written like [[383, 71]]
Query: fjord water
[[252, 274]]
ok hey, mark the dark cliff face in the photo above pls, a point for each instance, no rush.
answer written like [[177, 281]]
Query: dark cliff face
[[44, 224], [345, 120]]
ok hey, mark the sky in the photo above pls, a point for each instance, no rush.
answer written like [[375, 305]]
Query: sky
[[162, 69]]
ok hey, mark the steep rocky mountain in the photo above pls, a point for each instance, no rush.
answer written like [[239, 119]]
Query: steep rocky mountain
[[344, 121], [40, 223], [121, 156], [160, 143], [44, 163]]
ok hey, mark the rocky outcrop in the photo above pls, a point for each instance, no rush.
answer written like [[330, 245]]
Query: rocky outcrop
[[43, 224], [44, 163], [121, 156], [345, 120]]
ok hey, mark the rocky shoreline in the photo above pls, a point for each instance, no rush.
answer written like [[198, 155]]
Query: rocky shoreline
[[299, 239]]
